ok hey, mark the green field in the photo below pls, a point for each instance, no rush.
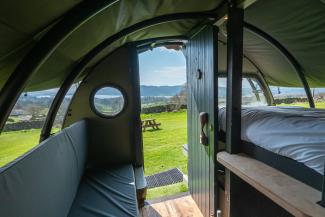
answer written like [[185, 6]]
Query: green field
[[167, 190], [320, 105], [162, 148], [13, 144]]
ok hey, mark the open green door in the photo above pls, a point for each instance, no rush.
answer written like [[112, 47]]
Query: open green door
[[202, 106]]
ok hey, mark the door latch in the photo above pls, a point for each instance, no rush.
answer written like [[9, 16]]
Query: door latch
[[204, 118]]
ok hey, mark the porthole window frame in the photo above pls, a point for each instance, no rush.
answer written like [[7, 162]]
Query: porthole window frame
[[107, 85]]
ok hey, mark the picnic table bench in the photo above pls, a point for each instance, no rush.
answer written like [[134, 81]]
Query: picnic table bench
[[150, 123]]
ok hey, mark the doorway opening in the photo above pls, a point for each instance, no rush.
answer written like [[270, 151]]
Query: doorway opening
[[164, 120]]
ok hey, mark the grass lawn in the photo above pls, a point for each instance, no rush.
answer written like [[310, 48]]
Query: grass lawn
[[167, 190], [13, 144], [320, 105], [163, 148]]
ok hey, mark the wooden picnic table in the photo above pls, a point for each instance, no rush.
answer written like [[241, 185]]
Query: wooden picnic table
[[150, 123]]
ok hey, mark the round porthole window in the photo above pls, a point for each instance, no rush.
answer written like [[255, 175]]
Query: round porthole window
[[108, 101]]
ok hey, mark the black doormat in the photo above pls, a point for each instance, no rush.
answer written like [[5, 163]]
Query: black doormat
[[168, 177]]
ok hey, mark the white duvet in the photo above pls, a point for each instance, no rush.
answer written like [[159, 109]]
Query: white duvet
[[294, 132]]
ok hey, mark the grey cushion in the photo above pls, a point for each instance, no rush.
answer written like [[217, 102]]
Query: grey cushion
[[106, 192], [78, 136], [44, 181]]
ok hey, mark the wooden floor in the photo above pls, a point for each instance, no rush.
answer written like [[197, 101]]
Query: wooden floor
[[175, 206]]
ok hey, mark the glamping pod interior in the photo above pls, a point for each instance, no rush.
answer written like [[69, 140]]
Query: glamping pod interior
[[247, 157]]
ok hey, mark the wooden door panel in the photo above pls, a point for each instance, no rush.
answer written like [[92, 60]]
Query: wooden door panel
[[201, 78]]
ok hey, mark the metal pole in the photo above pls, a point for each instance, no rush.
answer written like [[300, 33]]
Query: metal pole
[[255, 91], [263, 82], [234, 76], [56, 103], [299, 70]]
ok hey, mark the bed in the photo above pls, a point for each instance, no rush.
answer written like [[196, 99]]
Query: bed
[[290, 139]]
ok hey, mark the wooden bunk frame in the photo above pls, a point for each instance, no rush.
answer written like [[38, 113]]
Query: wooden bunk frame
[[295, 197]]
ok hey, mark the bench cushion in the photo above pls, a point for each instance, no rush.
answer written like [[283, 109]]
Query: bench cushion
[[106, 192], [44, 181]]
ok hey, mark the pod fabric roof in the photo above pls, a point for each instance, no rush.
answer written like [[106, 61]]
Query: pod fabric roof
[[299, 25]]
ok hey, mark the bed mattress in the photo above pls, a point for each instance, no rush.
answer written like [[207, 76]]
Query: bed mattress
[[294, 132]]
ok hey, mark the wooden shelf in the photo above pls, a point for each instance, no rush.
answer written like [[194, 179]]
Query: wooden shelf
[[294, 196]]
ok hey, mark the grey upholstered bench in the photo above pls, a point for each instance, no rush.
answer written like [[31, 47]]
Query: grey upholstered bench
[[52, 180]]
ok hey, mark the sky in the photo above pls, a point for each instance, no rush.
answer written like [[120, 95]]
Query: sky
[[162, 67]]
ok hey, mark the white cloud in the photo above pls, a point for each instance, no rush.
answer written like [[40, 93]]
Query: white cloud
[[164, 49], [168, 75]]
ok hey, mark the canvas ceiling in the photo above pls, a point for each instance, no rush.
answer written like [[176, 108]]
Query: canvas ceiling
[[299, 25]]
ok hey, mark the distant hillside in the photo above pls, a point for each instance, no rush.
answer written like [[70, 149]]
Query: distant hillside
[[144, 89], [50, 92], [173, 90], [152, 91], [159, 90]]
